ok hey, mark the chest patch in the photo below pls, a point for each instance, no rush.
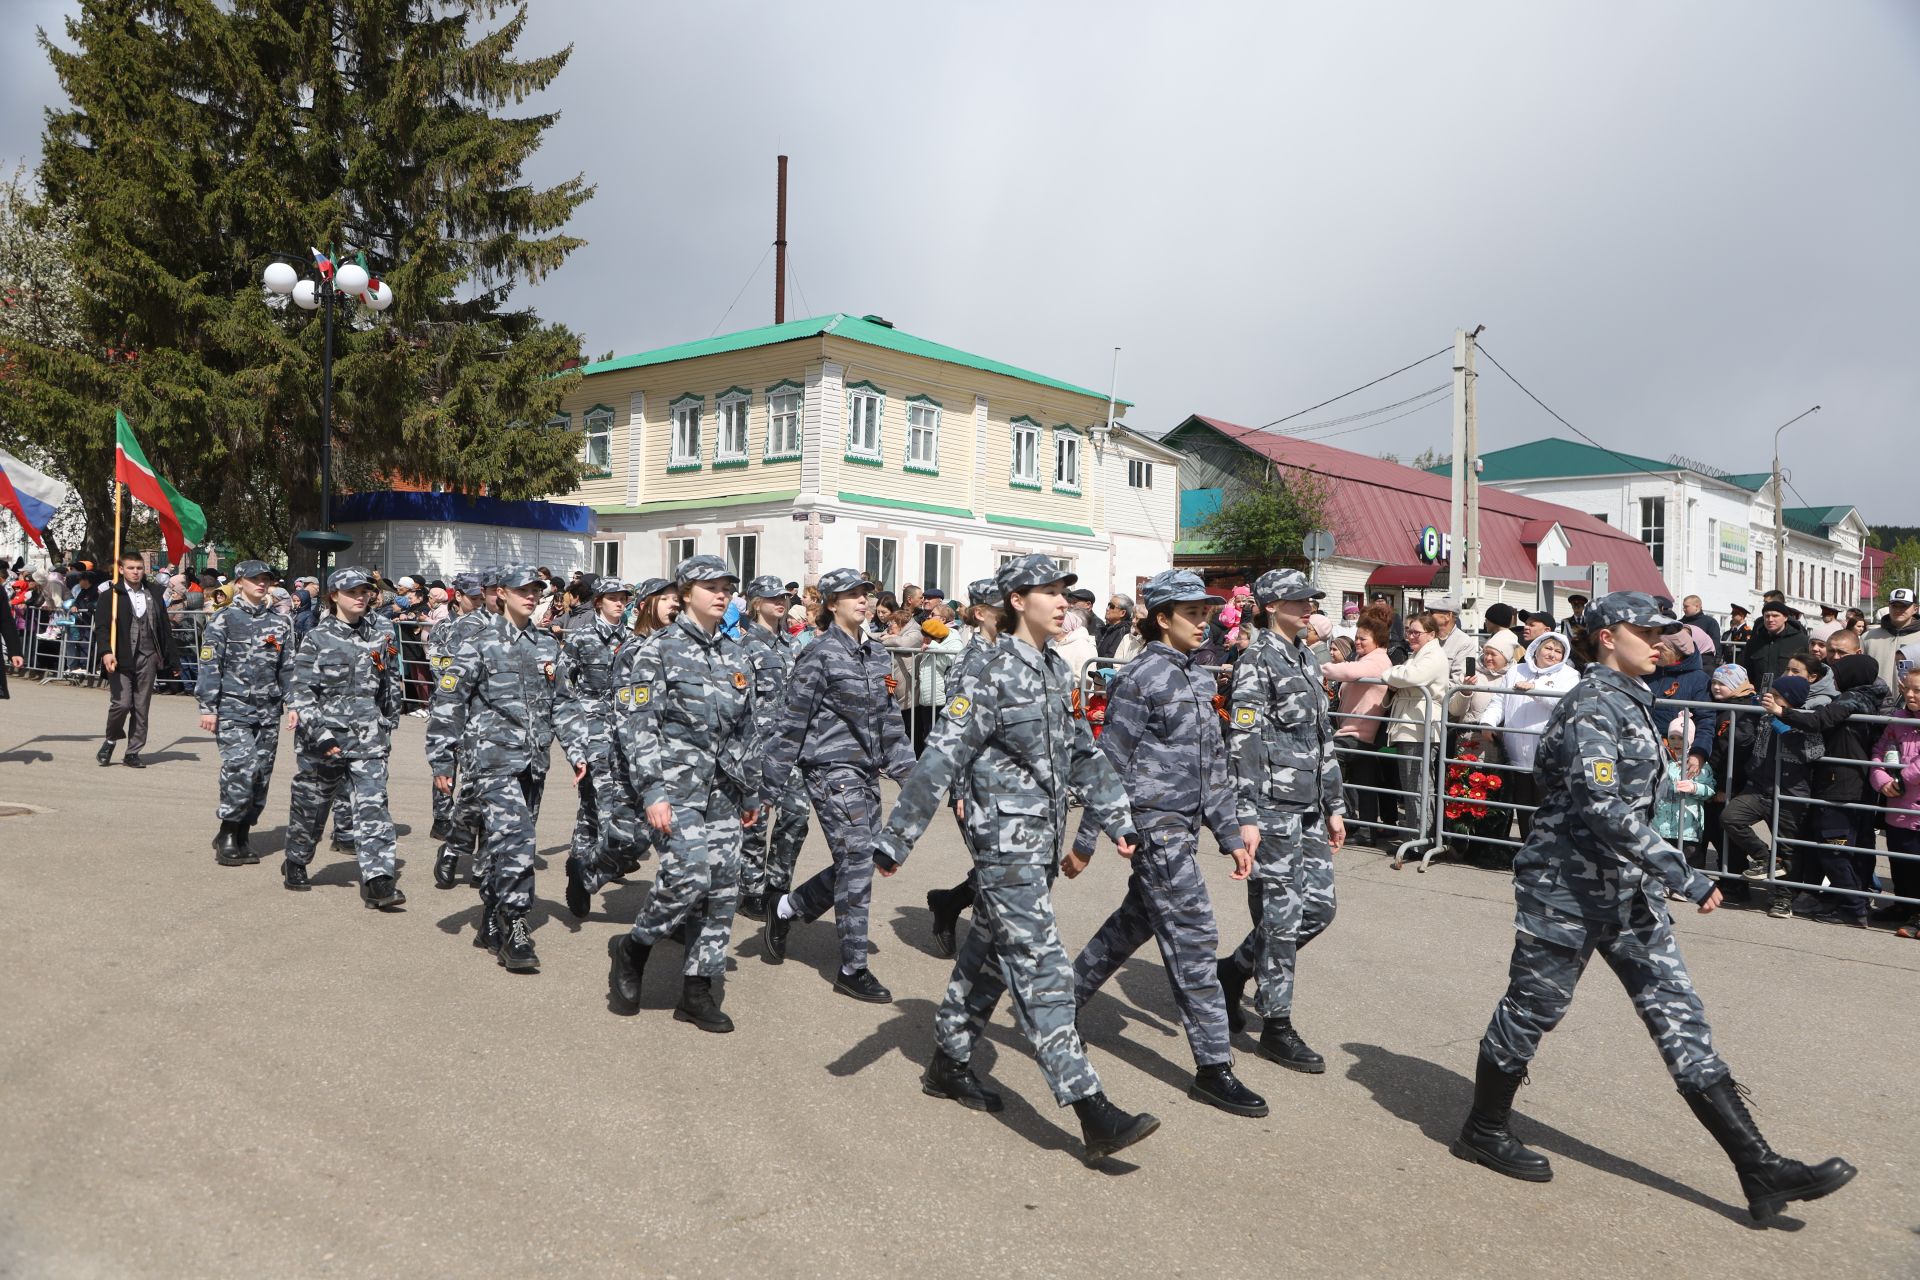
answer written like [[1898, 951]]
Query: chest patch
[[1244, 717], [206, 653], [739, 679], [958, 708], [449, 681], [1600, 772]]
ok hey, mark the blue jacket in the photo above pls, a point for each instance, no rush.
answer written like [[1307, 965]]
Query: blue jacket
[[1687, 681]]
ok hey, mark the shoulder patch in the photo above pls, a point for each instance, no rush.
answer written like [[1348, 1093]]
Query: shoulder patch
[[625, 694], [958, 708], [449, 681], [1244, 717], [206, 653], [739, 679], [642, 694], [1600, 772]]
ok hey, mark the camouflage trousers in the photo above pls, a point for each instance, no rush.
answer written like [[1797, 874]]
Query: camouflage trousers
[[1290, 897], [443, 802], [766, 866], [848, 803], [1014, 946], [699, 883], [499, 808], [605, 827], [358, 785], [247, 753], [1167, 901], [1551, 950]]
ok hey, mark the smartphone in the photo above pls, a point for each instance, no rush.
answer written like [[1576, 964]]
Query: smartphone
[[1470, 664]]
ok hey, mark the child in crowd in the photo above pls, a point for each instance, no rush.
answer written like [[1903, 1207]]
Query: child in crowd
[[1680, 813], [1898, 779]]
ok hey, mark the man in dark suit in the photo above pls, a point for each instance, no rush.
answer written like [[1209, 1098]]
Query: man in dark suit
[[133, 643]]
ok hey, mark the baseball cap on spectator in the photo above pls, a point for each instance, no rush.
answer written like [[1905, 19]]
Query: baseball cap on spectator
[[1901, 595], [933, 593]]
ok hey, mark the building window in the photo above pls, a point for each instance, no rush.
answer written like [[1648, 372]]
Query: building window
[[783, 422], [1803, 579], [685, 445], [1653, 529], [1759, 569], [1601, 516], [606, 559], [923, 436], [678, 549], [883, 562], [936, 568], [599, 441], [865, 402], [1139, 473], [743, 555], [1823, 582], [730, 446], [1066, 460], [1026, 454], [1713, 541]]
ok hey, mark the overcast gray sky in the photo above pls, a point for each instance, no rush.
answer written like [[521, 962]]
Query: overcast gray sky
[[1682, 224]]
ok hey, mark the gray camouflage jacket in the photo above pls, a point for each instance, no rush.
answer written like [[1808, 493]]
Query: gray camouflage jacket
[[345, 685], [492, 709], [771, 654], [1278, 733], [1010, 746], [1601, 767], [245, 654], [839, 712], [583, 709], [686, 718]]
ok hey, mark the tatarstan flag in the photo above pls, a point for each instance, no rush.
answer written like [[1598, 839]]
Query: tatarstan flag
[[180, 521]]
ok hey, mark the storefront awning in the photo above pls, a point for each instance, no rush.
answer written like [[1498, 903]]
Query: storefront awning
[[1403, 575]]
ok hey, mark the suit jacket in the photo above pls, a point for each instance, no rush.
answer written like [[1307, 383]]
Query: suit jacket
[[10, 644], [123, 634]]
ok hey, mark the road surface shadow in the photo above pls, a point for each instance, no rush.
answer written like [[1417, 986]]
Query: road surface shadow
[[19, 754], [908, 1030], [1436, 1099]]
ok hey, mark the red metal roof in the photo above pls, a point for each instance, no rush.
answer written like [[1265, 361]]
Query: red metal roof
[[1380, 507]]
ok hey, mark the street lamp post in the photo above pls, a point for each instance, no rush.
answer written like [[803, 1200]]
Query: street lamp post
[[1780, 509], [323, 293]]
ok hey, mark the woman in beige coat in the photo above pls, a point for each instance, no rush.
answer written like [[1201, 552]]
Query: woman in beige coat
[[1419, 699]]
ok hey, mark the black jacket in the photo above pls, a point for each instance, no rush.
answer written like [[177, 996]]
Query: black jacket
[[1767, 653], [1733, 748], [10, 644], [123, 634], [1861, 693], [1107, 643]]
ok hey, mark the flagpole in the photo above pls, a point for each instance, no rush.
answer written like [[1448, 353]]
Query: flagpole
[[113, 596]]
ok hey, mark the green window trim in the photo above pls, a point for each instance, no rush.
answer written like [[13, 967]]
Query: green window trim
[[920, 469], [1072, 490], [676, 468], [904, 504], [596, 475], [771, 497], [782, 457], [1024, 421], [1045, 526], [735, 393], [1033, 486], [787, 384], [863, 460], [920, 399], [565, 420], [730, 464], [687, 398], [864, 385]]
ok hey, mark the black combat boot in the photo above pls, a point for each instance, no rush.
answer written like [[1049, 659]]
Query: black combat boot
[[1233, 981], [340, 844], [1485, 1138], [293, 875], [516, 945], [862, 985], [946, 921], [623, 978], [381, 894], [243, 836], [486, 930], [226, 846], [945, 1078], [579, 901], [773, 935], [1106, 1129], [1768, 1180], [446, 869], [1282, 1044], [697, 1006], [753, 906], [441, 829], [1217, 1086]]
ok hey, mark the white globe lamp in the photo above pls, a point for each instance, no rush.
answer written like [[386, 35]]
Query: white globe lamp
[[280, 277], [351, 279], [379, 295], [305, 296]]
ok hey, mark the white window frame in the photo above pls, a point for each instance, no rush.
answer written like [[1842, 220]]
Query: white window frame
[[786, 409], [1066, 445], [923, 436], [1139, 473], [678, 549], [598, 424], [683, 445], [876, 552], [743, 555], [866, 423], [1653, 529], [606, 558], [732, 412], [1025, 440], [936, 567]]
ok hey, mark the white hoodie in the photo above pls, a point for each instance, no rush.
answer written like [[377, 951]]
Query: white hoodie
[[1519, 713]]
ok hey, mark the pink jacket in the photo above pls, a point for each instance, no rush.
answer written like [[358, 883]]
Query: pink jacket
[[1903, 736], [1358, 699]]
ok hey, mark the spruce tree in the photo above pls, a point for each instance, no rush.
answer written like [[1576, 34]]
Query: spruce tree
[[204, 138]]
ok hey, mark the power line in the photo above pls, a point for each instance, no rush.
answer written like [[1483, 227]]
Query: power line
[[1369, 413], [743, 291], [794, 271], [1631, 464], [1441, 399], [1362, 387]]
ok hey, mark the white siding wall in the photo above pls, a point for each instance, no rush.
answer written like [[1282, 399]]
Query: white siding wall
[[442, 550]]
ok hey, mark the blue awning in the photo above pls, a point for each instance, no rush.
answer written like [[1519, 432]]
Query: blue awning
[[461, 508]]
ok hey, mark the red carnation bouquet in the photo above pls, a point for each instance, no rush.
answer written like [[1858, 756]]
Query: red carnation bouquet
[[1468, 788]]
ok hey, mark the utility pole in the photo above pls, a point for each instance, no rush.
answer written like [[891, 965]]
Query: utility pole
[[780, 248], [1780, 508], [1463, 555]]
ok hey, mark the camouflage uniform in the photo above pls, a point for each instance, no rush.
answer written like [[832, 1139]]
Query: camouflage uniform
[[584, 721], [945, 905], [244, 657], [1287, 782], [463, 818], [442, 640], [767, 867], [345, 686], [1163, 737], [841, 724], [686, 727], [1581, 882], [1010, 746]]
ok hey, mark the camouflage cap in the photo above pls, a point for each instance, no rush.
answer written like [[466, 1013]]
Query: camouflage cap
[[349, 578], [649, 587], [1176, 586], [703, 569], [518, 575], [984, 591], [608, 586], [1031, 571], [255, 569], [1633, 608], [766, 587], [468, 583], [489, 575], [1284, 584], [840, 581]]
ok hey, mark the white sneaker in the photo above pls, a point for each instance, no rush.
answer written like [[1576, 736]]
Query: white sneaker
[[418, 713]]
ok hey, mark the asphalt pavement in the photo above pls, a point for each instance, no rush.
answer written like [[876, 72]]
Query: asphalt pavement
[[204, 1075]]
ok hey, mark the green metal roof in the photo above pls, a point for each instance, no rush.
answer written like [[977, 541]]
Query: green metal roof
[[839, 325], [1554, 458], [1814, 520], [1752, 481]]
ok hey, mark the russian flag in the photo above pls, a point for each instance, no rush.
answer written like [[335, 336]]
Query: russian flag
[[33, 496]]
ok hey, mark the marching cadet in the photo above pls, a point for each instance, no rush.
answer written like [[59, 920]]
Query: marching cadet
[[1010, 746], [492, 716], [583, 720], [442, 640], [687, 730], [1594, 876], [344, 696], [767, 865], [656, 602], [841, 725], [463, 824], [1287, 781], [983, 610], [243, 665], [1163, 737]]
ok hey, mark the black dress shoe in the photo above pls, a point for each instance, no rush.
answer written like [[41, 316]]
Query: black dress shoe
[[293, 875], [226, 846], [133, 761], [774, 935], [946, 1078], [1218, 1087], [446, 869], [862, 985], [105, 754]]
